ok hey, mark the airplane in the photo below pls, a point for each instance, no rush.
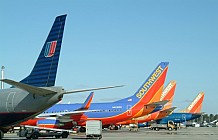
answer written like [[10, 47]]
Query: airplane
[[36, 92], [42, 122], [193, 111], [112, 112], [167, 94]]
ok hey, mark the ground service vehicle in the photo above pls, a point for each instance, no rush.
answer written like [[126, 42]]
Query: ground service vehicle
[[33, 132], [133, 126], [94, 128], [169, 126]]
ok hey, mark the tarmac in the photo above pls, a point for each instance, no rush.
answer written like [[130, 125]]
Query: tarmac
[[200, 133]]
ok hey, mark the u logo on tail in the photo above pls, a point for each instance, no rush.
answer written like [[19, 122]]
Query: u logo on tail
[[50, 49]]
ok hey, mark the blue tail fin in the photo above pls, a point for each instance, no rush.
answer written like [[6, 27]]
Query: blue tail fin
[[45, 69]]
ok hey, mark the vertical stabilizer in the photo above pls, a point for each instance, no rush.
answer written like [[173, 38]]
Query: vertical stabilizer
[[44, 72], [145, 94], [87, 103], [150, 87], [168, 94], [196, 104]]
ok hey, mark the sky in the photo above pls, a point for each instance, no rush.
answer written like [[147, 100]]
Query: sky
[[116, 42]]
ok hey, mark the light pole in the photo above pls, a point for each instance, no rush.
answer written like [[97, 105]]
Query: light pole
[[2, 83]]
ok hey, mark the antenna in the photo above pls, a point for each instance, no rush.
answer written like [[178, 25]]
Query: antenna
[[2, 83]]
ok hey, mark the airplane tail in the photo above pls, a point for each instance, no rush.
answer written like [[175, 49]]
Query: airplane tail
[[196, 104], [146, 93], [168, 94], [44, 72], [87, 103]]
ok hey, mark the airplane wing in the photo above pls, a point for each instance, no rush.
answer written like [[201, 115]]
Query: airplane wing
[[65, 116], [28, 88], [62, 114]]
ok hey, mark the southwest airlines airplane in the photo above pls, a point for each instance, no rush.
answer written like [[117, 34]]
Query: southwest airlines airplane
[[112, 112], [192, 112], [167, 94]]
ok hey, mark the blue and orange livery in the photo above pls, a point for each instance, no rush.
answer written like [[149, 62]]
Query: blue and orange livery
[[167, 95], [124, 109]]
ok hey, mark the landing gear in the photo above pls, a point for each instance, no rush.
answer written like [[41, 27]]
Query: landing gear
[[1, 134], [113, 127], [82, 129]]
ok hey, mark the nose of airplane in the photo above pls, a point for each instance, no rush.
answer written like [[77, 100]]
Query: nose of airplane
[[194, 116]]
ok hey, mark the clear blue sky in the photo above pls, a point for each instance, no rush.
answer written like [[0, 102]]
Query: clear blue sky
[[112, 42]]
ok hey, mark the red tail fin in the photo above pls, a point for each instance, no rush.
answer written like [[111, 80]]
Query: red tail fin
[[168, 94], [196, 105]]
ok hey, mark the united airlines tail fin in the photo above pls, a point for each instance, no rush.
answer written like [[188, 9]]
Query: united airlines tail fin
[[196, 104], [168, 94], [44, 72]]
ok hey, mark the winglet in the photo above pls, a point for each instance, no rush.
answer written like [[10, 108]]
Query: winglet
[[87, 103]]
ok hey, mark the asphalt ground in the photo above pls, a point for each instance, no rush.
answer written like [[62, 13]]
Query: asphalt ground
[[202, 133]]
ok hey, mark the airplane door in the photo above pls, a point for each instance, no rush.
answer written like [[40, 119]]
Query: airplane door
[[129, 110], [10, 102], [184, 118]]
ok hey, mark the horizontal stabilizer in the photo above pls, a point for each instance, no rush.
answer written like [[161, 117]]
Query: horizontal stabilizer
[[28, 88], [201, 113], [168, 110], [91, 89], [164, 113], [160, 102]]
